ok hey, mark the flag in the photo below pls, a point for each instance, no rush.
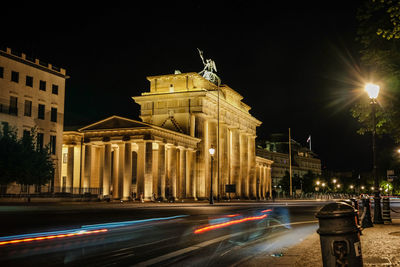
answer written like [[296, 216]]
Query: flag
[[309, 139]]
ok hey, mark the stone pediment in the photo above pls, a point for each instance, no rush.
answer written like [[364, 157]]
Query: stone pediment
[[115, 122]]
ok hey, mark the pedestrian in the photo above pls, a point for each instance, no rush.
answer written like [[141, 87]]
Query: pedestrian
[[141, 197]]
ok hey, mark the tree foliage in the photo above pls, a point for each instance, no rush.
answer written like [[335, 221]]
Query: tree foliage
[[22, 160], [380, 58]]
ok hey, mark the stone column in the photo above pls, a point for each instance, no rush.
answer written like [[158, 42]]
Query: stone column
[[115, 181], [172, 158], [148, 171], [156, 167], [263, 182], [121, 167], [188, 181], [182, 173], [251, 165], [244, 181], [127, 181], [101, 168], [192, 125], [140, 169], [70, 169], [235, 161], [161, 169], [269, 179], [107, 170], [87, 168], [223, 167]]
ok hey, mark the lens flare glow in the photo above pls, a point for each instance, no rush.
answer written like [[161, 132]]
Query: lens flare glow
[[222, 225]]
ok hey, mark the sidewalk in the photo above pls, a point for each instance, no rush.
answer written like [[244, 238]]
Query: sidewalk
[[379, 246]]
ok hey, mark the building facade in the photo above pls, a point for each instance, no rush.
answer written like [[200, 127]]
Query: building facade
[[303, 160], [32, 95], [167, 153]]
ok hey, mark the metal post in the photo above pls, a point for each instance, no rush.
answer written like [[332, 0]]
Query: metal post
[[211, 184], [386, 210], [218, 146], [290, 165], [377, 196]]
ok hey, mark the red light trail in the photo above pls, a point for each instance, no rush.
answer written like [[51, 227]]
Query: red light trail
[[221, 225], [15, 241]]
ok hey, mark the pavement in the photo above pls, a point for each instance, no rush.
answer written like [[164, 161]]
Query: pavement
[[379, 247]]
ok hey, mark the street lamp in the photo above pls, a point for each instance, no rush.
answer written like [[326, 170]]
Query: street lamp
[[373, 92], [212, 152], [334, 184]]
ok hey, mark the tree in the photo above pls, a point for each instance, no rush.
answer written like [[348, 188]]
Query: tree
[[10, 156], [380, 57], [23, 161]]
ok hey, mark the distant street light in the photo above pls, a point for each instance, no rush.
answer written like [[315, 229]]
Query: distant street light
[[318, 182], [373, 92], [212, 152]]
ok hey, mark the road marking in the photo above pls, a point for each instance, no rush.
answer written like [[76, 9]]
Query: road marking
[[206, 243]]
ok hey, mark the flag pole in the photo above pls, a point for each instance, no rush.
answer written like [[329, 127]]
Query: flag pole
[[290, 165]]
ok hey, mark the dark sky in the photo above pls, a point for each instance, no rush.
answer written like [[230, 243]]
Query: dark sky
[[293, 62]]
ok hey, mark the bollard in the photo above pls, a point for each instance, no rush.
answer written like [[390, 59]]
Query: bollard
[[366, 220], [386, 211], [357, 207], [339, 235]]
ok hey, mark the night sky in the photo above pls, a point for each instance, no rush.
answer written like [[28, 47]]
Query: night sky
[[293, 62]]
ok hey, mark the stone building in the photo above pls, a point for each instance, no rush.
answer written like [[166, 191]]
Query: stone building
[[32, 95], [167, 153], [277, 150]]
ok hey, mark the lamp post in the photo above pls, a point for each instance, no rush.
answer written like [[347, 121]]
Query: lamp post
[[334, 184], [373, 91], [212, 151]]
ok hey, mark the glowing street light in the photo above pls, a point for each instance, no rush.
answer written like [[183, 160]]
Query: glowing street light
[[212, 152], [373, 92], [318, 182]]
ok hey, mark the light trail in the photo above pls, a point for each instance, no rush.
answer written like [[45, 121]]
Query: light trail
[[82, 232], [221, 225]]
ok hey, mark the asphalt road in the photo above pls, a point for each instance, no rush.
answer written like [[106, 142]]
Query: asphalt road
[[128, 235]]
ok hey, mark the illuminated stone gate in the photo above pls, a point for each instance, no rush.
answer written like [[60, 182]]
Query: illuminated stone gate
[[167, 153]]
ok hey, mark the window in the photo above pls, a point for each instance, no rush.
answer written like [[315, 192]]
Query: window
[[53, 144], [14, 76], [26, 133], [29, 81], [39, 144], [13, 106], [42, 85], [41, 112], [1, 72], [53, 116], [54, 89], [28, 108]]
